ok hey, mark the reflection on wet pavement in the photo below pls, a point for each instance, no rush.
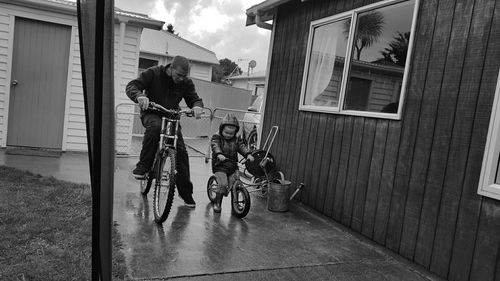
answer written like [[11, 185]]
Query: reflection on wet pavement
[[200, 243], [197, 244]]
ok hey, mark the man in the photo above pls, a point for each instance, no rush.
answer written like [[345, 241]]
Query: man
[[167, 86]]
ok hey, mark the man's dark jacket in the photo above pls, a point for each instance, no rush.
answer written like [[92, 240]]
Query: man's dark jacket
[[160, 88]]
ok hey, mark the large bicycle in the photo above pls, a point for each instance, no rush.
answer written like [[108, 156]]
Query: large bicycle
[[163, 171], [261, 172]]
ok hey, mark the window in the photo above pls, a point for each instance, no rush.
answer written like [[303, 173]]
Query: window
[[259, 90], [360, 68], [146, 63], [489, 181]]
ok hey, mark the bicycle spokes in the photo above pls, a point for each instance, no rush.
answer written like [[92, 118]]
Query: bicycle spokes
[[164, 186], [239, 200]]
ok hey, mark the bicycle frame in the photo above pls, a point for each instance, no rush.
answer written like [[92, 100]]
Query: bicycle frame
[[244, 183], [166, 150], [240, 198]]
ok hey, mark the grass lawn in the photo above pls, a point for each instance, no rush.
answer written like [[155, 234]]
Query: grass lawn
[[45, 229]]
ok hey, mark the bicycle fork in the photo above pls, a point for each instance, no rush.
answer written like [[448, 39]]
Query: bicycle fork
[[168, 133]]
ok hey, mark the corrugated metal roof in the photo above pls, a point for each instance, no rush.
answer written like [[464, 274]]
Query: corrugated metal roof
[[70, 3], [168, 44]]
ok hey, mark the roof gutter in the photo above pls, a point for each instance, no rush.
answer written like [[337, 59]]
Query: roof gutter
[[262, 24], [69, 8], [265, 11], [260, 13], [48, 6], [145, 23]]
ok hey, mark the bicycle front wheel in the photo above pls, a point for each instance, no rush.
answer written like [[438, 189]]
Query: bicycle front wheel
[[164, 184], [211, 186], [240, 203]]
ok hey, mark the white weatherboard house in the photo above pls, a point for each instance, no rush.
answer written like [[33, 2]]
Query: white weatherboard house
[[254, 82], [41, 94], [159, 47]]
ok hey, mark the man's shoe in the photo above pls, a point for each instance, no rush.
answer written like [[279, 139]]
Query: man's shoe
[[189, 201], [139, 173]]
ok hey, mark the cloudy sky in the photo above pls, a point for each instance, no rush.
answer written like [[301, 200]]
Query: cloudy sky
[[218, 25]]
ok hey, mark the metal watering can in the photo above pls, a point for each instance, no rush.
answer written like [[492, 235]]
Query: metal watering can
[[277, 195]]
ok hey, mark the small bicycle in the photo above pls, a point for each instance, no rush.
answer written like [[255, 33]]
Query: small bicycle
[[163, 170], [261, 171], [240, 198]]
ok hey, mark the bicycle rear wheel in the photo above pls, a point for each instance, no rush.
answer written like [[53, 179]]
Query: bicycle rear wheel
[[147, 182], [164, 184], [240, 201]]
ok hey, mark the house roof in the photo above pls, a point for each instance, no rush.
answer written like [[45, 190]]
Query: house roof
[[265, 10], [69, 7], [167, 44], [255, 75]]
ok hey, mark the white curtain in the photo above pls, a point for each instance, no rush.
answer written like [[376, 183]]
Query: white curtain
[[321, 63]]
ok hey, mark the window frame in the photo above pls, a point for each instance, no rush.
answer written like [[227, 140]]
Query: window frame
[[487, 186], [353, 15]]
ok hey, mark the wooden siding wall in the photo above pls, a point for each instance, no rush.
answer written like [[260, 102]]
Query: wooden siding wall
[[128, 70], [410, 184], [76, 136], [125, 70], [5, 26]]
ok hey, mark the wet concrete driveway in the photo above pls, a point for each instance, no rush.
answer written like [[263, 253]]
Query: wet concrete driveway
[[196, 244]]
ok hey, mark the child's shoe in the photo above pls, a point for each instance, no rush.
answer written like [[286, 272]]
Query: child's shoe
[[218, 203]]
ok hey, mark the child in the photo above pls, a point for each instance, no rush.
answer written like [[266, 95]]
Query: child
[[225, 148]]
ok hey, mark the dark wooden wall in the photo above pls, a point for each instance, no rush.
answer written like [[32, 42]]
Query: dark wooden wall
[[409, 184]]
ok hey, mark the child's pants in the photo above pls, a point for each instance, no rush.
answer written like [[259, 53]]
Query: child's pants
[[225, 181]]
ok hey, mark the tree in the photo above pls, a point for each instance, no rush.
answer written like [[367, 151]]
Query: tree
[[230, 68], [170, 29], [398, 48], [217, 74], [369, 29], [226, 68]]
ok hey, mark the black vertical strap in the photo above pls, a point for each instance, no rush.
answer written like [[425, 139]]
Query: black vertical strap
[[98, 84], [95, 25], [84, 20], [105, 131]]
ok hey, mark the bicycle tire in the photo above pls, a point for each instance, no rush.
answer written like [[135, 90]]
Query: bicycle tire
[[164, 185], [263, 186], [240, 201], [210, 192], [252, 140]]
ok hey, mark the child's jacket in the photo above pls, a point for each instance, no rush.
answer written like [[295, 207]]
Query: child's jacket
[[228, 148]]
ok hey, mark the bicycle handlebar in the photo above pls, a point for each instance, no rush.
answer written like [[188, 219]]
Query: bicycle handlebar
[[241, 161], [155, 106]]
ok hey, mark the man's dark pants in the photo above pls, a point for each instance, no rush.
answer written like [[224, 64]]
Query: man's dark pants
[[152, 123]]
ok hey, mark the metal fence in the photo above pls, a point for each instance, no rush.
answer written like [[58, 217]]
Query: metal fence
[[196, 132], [130, 132], [249, 120]]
